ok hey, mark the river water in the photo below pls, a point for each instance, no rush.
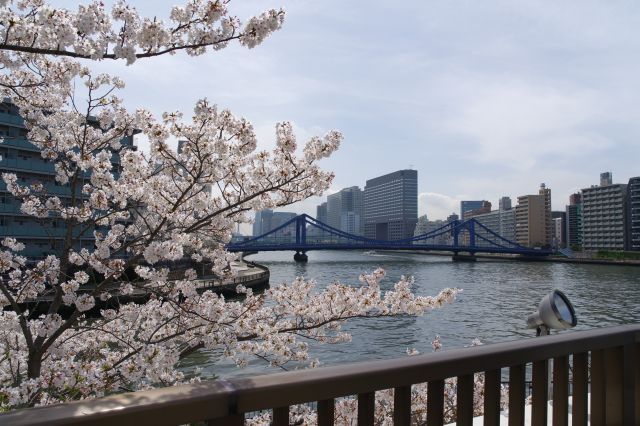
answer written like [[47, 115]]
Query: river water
[[497, 297]]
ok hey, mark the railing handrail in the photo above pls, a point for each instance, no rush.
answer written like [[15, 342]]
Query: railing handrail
[[217, 282], [219, 398]]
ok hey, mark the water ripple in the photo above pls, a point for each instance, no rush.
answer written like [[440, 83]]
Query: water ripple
[[497, 298]]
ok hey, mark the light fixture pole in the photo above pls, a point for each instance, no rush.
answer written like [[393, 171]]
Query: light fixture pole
[[554, 311]]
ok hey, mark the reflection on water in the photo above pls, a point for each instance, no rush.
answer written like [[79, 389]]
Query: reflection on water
[[497, 298]]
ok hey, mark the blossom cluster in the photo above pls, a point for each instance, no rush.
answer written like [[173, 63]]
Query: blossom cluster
[[94, 32], [139, 345]]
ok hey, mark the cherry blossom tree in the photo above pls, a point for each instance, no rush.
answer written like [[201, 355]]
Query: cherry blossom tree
[[147, 209]]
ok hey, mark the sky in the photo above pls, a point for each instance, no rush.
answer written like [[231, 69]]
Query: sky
[[484, 99]]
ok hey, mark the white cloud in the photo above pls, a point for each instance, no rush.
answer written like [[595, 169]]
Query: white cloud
[[518, 124]]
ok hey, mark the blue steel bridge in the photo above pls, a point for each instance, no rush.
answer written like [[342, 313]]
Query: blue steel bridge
[[304, 233]]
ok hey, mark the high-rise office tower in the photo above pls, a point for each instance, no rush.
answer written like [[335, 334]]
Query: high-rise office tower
[[469, 205], [485, 207], [391, 205], [267, 220], [345, 210], [574, 221], [606, 179], [321, 213], [504, 203], [262, 216]]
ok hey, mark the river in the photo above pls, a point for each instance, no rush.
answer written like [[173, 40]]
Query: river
[[497, 297]]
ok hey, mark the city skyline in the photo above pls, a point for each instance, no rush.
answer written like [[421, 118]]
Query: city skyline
[[557, 205], [469, 94]]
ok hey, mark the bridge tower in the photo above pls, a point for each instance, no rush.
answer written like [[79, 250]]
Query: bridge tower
[[469, 256], [301, 239]]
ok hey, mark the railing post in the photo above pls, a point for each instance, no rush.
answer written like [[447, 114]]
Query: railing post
[[402, 406], [366, 408], [540, 395], [636, 363], [435, 402], [579, 399], [233, 418], [326, 412], [464, 398], [492, 388], [280, 416], [598, 395], [560, 391], [614, 363], [516, 395], [629, 391]]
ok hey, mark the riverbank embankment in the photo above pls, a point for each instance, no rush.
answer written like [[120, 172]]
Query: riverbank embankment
[[249, 274], [506, 257]]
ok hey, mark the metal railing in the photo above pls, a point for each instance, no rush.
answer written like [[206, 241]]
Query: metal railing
[[212, 283], [604, 366]]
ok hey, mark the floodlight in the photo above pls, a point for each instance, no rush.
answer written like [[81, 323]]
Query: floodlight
[[554, 311]]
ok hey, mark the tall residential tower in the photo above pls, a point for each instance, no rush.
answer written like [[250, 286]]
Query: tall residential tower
[[604, 216], [633, 190], [533, 219], [21, 157]]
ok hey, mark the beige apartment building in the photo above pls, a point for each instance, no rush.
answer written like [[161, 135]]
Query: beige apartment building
[[533, 219]]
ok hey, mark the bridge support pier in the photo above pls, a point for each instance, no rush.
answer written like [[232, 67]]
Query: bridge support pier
[[458, 257], [300, 257]]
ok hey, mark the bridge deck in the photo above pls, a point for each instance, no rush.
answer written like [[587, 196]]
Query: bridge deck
[[469, 236]]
